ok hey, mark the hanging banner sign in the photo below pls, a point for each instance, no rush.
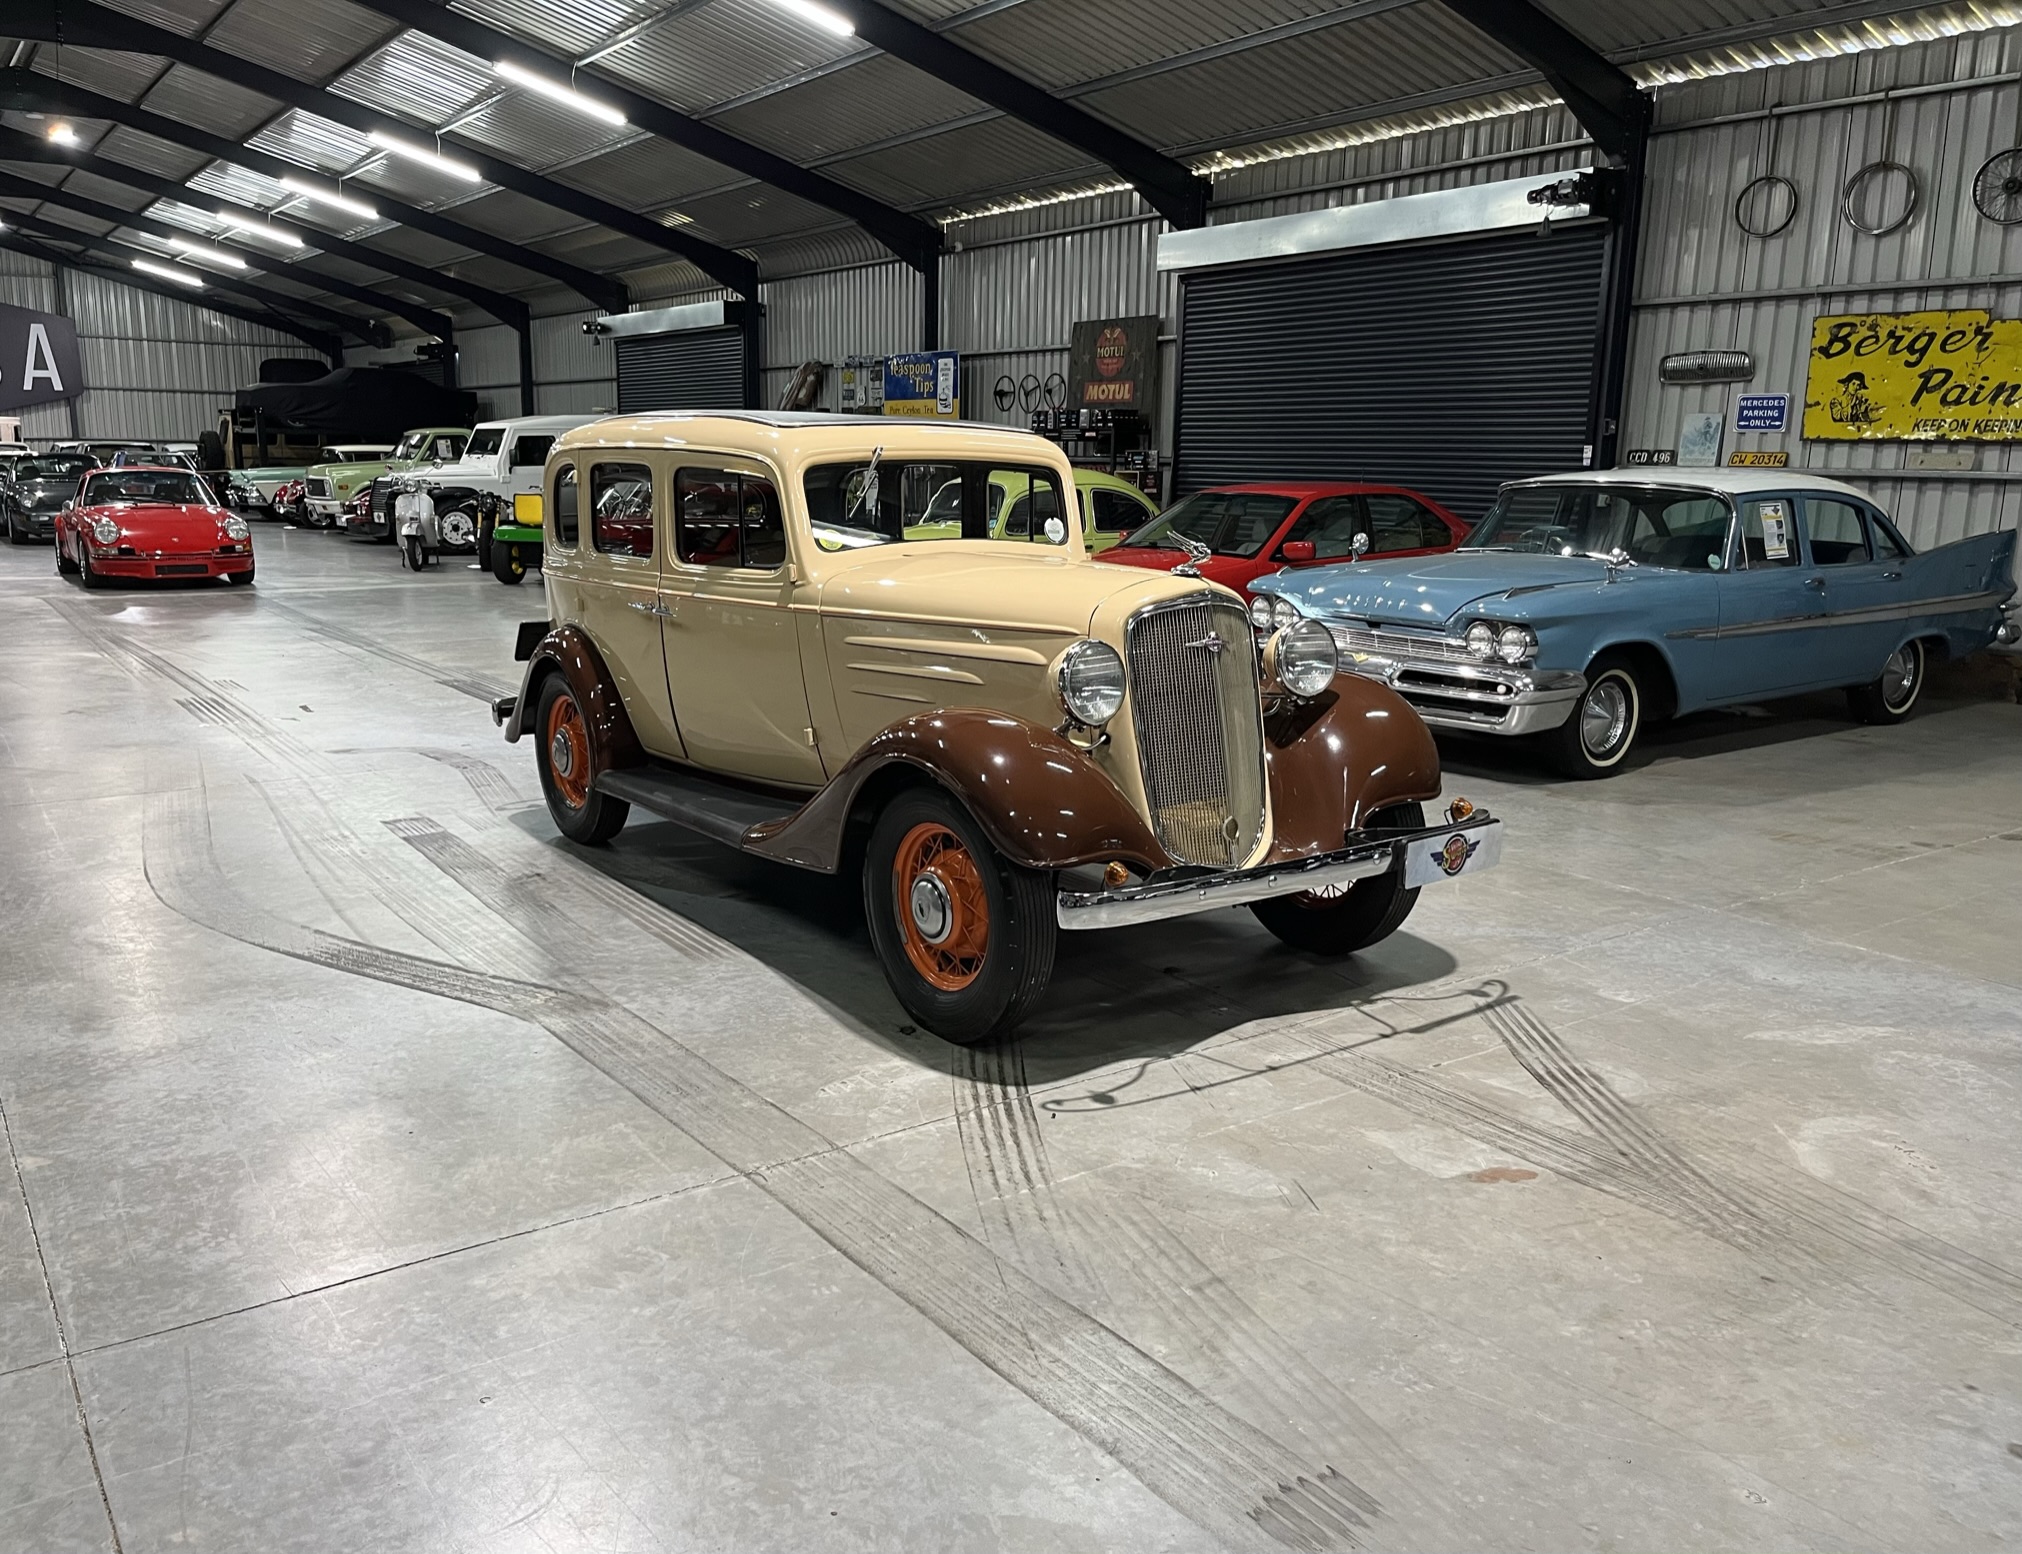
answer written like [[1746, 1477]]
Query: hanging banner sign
[[38, 358], [1114, 361], [924, 383], [1954, 376]]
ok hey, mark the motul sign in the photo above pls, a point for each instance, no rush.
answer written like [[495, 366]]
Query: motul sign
[[38, 358], [1114, 361]]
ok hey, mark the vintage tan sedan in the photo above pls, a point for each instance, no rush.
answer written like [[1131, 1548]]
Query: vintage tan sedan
[[759, 630]]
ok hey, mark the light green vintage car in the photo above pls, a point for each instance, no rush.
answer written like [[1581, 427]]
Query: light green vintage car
[[1111, 507], [333, 485]]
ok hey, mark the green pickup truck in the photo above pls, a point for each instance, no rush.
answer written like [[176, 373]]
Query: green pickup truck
[[331, 486]]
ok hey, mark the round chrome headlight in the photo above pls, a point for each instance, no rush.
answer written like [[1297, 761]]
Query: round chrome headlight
[[105, 531], [1302, 658], [236, 528], [1481, 639], [1515, 644], [1260, 612], [1284, 613], [1089, 678]]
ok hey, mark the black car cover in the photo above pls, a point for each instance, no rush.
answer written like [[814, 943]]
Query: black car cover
[[361, 404]]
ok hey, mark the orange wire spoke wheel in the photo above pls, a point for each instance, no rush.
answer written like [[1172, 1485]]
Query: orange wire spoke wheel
[[568, 746], [942, 906]]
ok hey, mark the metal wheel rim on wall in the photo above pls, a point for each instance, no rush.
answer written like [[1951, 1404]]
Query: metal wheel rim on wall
[[1997, 187], [1859, 182], [1767, 182]]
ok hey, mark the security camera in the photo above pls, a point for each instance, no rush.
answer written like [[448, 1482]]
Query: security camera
[[595, 326]]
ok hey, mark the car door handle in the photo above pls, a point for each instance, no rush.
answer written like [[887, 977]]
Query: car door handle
[[1817, 583], [1892, 577], [665, 612]]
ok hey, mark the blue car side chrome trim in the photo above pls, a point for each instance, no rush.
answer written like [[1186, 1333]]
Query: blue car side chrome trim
[[1954, 604]]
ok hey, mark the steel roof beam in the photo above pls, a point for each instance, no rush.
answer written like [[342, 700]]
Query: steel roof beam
[[15, 146], [330, 346], [40, 94], [87, 25], [118, 253], [1171, 188], [1603, 96], [912, 239]]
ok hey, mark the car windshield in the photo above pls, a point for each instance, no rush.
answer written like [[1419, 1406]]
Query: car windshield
[[1229, 523], [485, 442], [144, 485], [883, 501], [53, 466], [1651, 526]]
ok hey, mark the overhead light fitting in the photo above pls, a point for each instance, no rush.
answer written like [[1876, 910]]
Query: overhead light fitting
[[260, 229], [820, 15], [330, 197], [208, 255], [170, 273], [423, 155], [64, 135], [567, 96]]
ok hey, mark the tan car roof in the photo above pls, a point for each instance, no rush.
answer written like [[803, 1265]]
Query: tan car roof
[[804, 434]]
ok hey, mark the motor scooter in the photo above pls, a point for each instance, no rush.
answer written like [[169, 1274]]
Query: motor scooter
[[415, 523]]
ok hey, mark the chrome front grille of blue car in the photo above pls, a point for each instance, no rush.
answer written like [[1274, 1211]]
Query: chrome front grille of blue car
[[1200, 732], [1399, 644]]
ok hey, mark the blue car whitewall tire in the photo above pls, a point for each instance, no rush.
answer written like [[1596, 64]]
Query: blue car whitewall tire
[[1893, 694], [1596, 740]]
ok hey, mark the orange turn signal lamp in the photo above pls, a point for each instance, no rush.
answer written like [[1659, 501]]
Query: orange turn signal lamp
[[1458, 811]]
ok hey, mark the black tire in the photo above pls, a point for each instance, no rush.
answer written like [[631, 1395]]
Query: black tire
[[85, 575], [1596, 740], [64, 565], [14, 534], [1019, 931], [240, 579], [591, 818], [486, 548], [506, 565], [1893, 694], [413, 553], [1363, 914]]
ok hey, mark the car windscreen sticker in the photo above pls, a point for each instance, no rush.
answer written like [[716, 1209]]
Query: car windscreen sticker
[[1056, 531], [1775, 531]]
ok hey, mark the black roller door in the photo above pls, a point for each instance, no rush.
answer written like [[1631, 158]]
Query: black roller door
[[691, 369], [1447, 367]]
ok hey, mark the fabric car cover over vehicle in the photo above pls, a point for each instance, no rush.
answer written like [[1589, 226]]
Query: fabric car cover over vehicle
[[367, 403]]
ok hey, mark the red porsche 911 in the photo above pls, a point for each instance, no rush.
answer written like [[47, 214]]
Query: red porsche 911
[[1234, 535], [150, 523]]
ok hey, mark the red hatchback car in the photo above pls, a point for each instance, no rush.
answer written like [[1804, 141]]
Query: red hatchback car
[[1250, 531], [144, 522]]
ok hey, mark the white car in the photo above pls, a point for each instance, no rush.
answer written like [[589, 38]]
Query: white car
[[503, 459]]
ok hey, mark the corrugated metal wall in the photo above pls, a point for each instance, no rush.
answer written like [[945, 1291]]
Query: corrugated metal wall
[[1706, 284], [174, 364]]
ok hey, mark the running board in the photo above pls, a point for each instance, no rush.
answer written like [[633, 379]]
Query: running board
[[719, 810]]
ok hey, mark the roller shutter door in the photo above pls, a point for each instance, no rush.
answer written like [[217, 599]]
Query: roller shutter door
[[694, 369], [1447, 367]]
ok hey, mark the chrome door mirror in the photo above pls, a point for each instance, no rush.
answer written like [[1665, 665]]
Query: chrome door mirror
[[1358, 546]]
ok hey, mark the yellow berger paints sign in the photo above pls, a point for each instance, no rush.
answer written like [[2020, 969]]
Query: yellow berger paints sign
[[1910, 376]]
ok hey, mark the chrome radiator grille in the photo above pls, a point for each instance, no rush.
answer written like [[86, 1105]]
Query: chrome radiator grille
[[1200, 730], [1400, 644]]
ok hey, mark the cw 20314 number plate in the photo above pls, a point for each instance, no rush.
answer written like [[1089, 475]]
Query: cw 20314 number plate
[[1447, 855]]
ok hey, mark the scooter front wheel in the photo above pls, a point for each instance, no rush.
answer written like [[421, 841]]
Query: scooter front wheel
[[413, 552]]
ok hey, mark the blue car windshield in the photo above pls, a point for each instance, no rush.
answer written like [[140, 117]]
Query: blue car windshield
[[1682, 530]]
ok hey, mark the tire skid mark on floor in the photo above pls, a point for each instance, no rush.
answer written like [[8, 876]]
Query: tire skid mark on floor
[[1794, 1220], [1220, 1471], [473, 686], [204, 700], [492, 787], [1010, 1176]]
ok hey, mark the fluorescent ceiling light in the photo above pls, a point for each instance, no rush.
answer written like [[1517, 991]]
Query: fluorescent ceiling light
[[170, 273], [208, 255], [422, 154], [260, 229], [330, 197], [567, 96], [64, 135], [820, 15]]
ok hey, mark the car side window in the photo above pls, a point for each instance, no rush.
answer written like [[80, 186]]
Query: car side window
[[1838, 537], [1888, 544], [724, 519], [1768, 537], [1398, 523], [1116, 513], [562, 526], [531, 450], [1330, 523], [621, 509]]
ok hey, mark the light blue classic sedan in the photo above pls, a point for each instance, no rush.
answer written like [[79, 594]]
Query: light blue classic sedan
[[1585, 605]]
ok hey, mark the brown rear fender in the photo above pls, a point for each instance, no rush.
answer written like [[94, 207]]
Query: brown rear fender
[[1339, 758], [569, 652], [1039, 799]]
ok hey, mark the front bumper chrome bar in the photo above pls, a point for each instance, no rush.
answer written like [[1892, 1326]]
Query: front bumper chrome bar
[[1156, 899], [1485, 698]]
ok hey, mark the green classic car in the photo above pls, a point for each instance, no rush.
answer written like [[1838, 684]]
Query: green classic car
[[333, 485]]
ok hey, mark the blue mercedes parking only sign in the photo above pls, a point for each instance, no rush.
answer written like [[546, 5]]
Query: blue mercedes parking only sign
[[1762, 413]]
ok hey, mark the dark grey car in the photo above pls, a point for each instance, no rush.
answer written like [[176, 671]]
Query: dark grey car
[[38, 489]]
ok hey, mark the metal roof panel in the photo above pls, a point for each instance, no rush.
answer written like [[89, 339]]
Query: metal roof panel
[[710, 54], [645, 174], [849, 109], [109, 72], [1060, 42], [195, 98], [311, 40], [533, 132], [417, 77], [574, 29], [188, 17], [996, 154], [310, 140]]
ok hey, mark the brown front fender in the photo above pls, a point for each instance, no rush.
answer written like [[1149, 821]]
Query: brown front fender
[[1337, 759], [1039, 799], [568, 650]]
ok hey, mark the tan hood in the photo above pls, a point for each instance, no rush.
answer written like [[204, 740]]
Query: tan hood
[[987, 583]]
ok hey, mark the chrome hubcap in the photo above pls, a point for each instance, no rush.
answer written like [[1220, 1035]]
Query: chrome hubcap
[[1605, 718], [933, 914], [562, 755], [1899, 677]]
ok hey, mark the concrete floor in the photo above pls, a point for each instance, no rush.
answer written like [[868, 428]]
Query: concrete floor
[[383, 1174]]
